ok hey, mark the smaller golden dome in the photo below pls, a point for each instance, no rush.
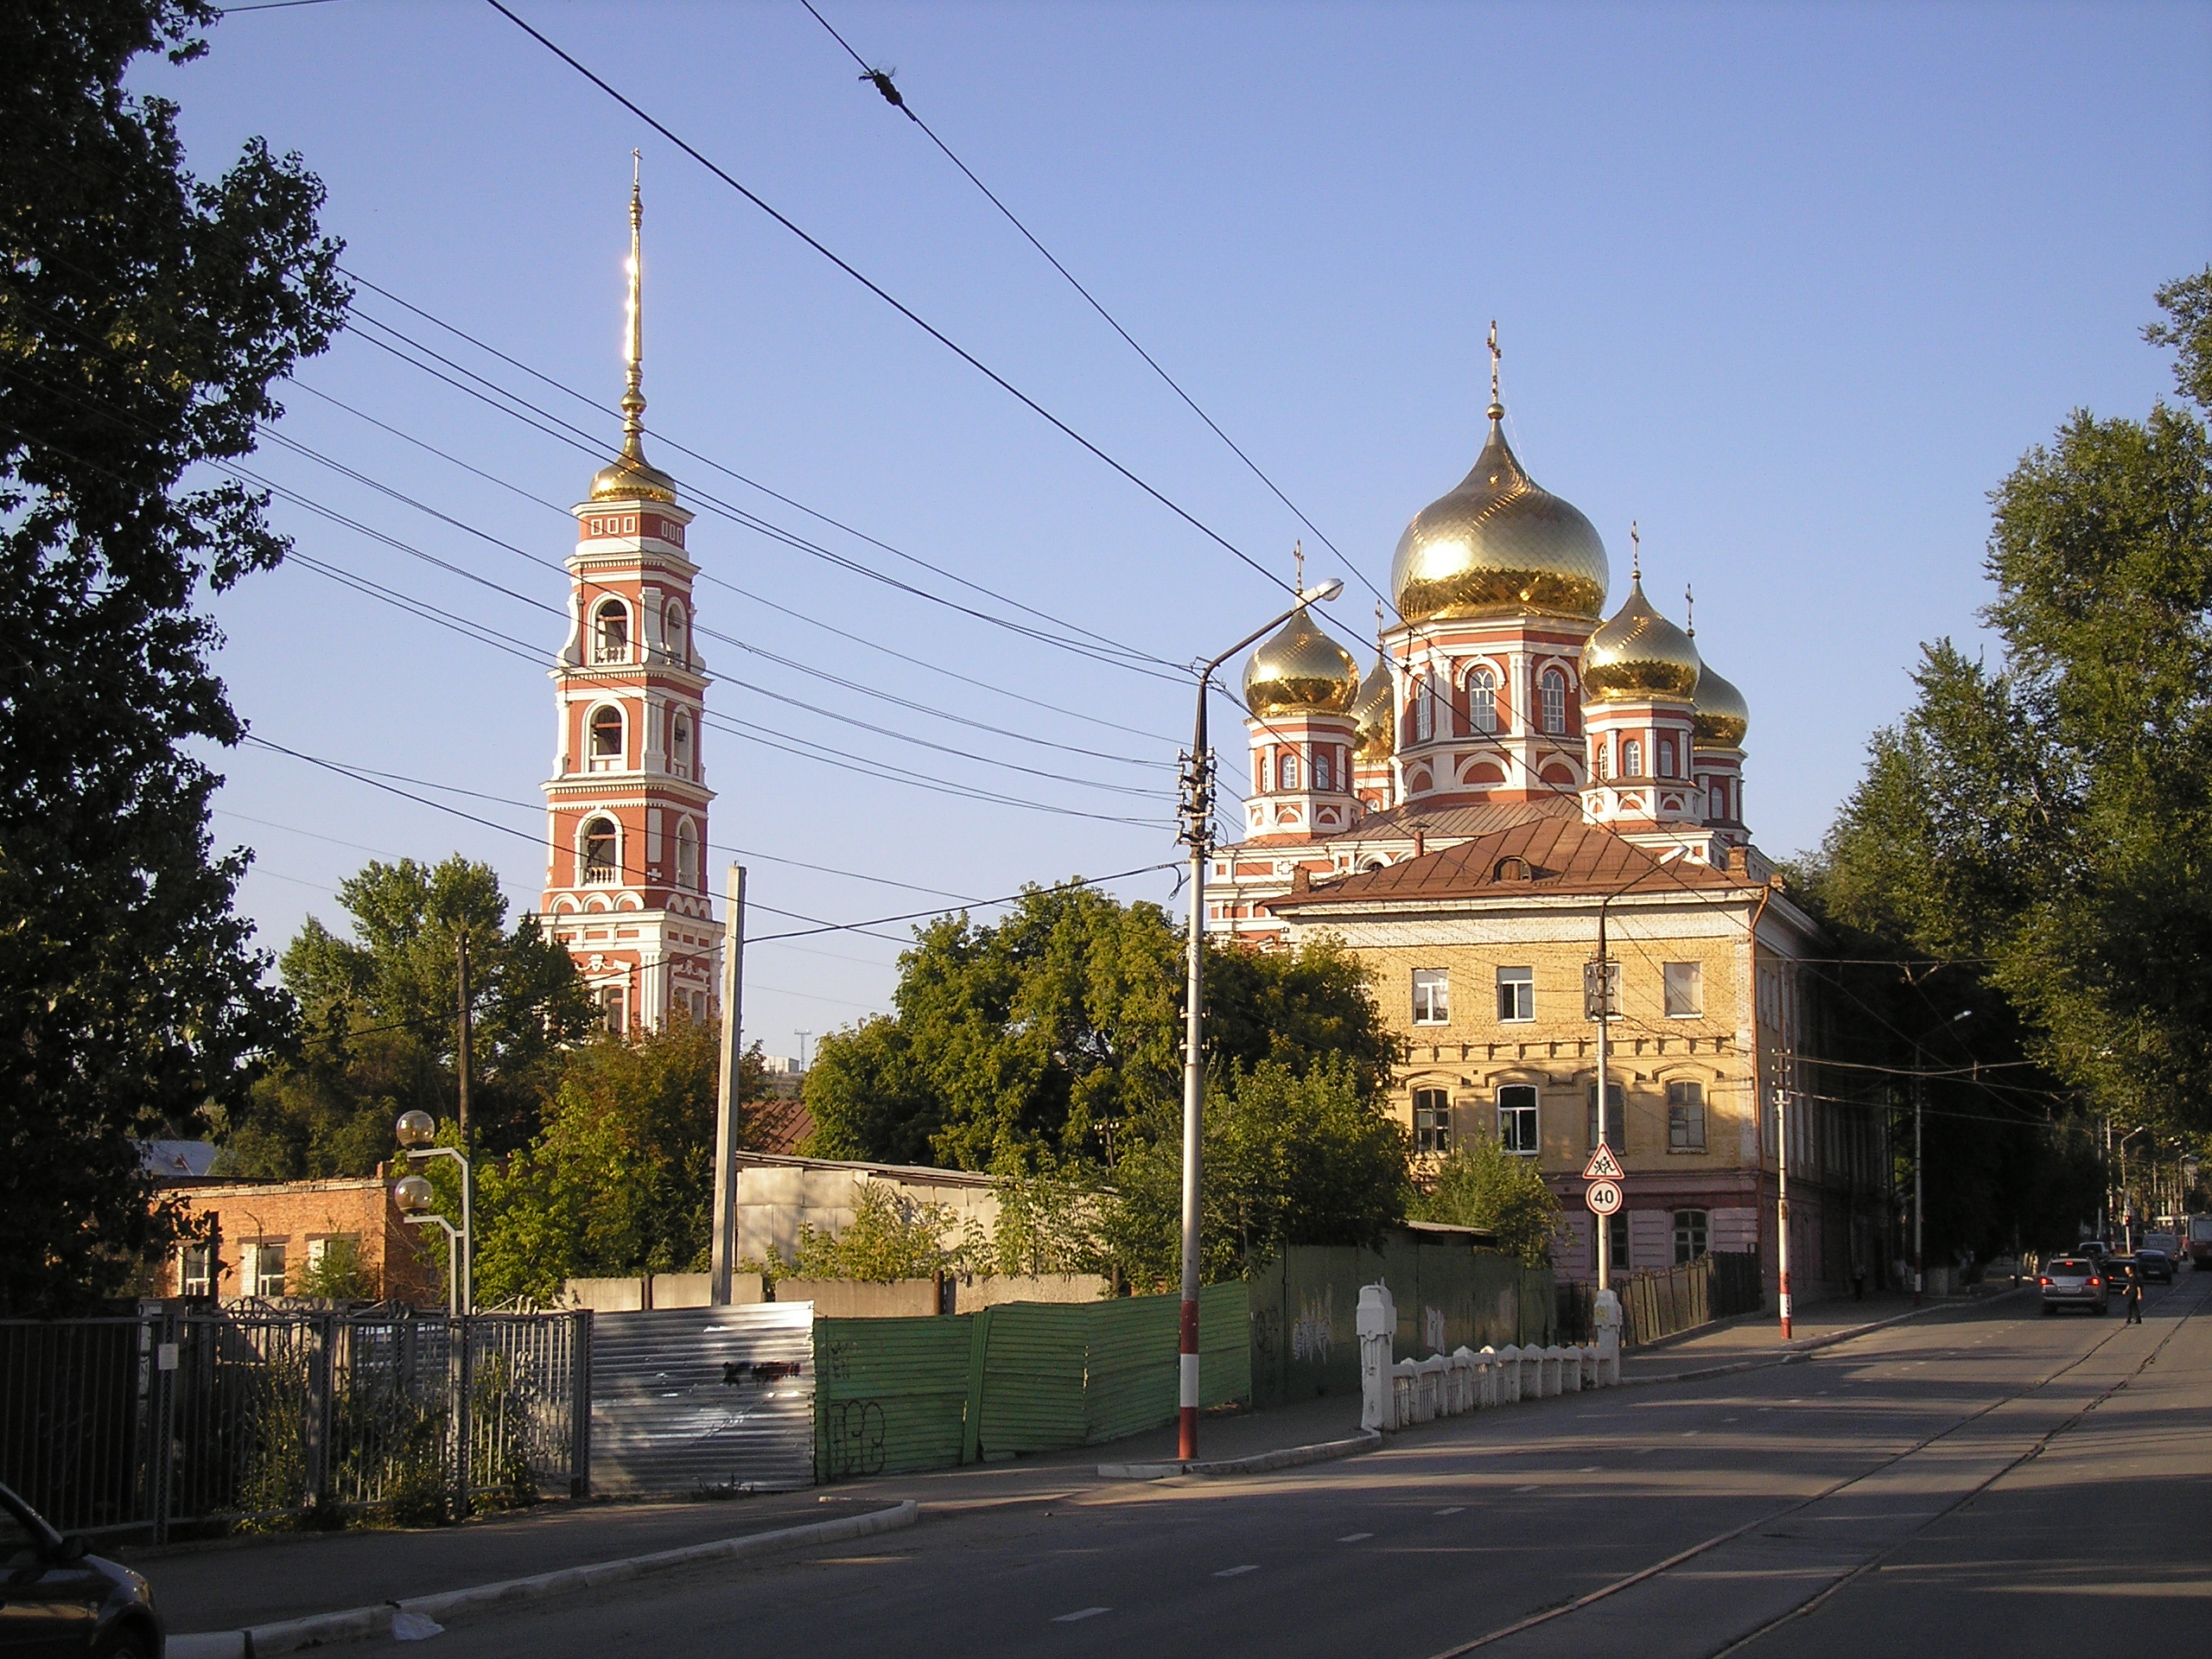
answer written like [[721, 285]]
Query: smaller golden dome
[[1374, 713], [1301, 671], [631, 477], [1721, 717], [1639, 654]]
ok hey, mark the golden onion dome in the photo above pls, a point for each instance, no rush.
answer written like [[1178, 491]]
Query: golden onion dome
[[1499, 545], [1373, 714], [631, 477], [1719, 715], [1638, 654], [1301, 671]]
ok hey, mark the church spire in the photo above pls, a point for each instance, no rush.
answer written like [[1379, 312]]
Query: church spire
[[631, 476], [1496, 410]]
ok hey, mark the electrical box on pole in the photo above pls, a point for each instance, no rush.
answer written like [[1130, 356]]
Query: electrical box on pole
[[1601, 989]]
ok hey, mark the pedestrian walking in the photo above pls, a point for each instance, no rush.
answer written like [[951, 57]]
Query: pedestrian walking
[[2134, 1295]]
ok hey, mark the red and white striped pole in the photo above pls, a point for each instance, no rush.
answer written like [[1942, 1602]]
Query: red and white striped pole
[[1782, 1217]]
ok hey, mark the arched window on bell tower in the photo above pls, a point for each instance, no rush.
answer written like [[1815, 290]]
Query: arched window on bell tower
[[678, 646], [687, 856], [610, 638], [600, 861]]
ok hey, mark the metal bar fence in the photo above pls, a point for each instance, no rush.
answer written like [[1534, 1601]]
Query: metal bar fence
[[251, 1414]]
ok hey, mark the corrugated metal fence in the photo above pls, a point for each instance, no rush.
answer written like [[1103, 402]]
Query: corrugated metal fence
[[694, 1400], [925, 1393], [1448, 1293], [143, 1423]]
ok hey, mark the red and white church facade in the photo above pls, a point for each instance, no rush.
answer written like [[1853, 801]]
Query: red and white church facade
[[625, 877]]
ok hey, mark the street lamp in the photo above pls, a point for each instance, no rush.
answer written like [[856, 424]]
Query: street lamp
[[1198, 833], [1919, 1107], [417, 1199]]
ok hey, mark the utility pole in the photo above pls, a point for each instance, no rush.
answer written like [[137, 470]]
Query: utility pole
[[723, 1251], [1782, 1200], [466, 1277], [1601, 999], [1919, 1106]]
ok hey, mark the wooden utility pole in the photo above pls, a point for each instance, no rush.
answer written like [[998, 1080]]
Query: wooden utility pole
[[727, 1104]]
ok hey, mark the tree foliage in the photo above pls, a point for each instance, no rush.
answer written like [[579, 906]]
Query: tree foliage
[[381, 1023], [144, 316], [1480, 1184]]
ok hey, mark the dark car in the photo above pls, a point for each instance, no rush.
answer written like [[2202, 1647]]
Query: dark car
[[57, 1597], [2073, 1281], [2155, 1265]]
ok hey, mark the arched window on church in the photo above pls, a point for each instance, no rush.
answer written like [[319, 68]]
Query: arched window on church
[[678, 646], [1321, 770], [1603, 755], [1666, 757], [607, 738], [1482, 700], [687, 856], [1286, 770], [1424, 710], [599, 865], [1719, 809], [679, 742], [611, 632], [1631, 758], [1553, 687]]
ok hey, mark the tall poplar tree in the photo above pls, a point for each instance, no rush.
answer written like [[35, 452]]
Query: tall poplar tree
[[144, 314]]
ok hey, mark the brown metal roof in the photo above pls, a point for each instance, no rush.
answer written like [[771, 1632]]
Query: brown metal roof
[[1547, 856], [1456, 823]]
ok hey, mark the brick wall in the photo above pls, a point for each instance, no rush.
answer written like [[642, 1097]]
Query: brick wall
[[297, 1216]]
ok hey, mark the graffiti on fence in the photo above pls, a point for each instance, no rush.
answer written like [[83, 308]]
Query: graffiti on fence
[[765, 1371], [1309, 1333], [853, 1436]]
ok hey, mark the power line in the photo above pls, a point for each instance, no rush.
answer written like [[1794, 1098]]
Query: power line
[[912, 317], [880, 79]]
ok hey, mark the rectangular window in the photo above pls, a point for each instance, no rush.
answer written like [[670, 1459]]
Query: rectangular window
[[1516, 1117], [1686, 1117], [195, 1271], [1685, 988], [1615, 1127], [264, 1269], [1431, 997], [1617, 1225], [1431, 1121], [617, 1005], [1689, 1236], [1517, 993]]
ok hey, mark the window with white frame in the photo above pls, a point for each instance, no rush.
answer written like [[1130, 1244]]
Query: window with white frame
[[607, 749], [1631, 758], [1431, 997], [1685, 1115], [1431, 1121], [1286, 770], [600, 866], [264, 1268], [1685, 983], [1482, 700], [1690, 1235], [1603, 756], [1424, 711], [614, 1003], [1666, 757], [687, 856], [195, 1270], [1322, 771], [1614, 1130], [679, 741], [678, 651], [611, 632], [1517, 993], [1517, 1118], [1553, 688], [1720, 808]]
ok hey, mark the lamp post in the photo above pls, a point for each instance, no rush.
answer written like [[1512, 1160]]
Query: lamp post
[[417, 1200], [1198, 833], [1601, 1001], [1919, 1108]]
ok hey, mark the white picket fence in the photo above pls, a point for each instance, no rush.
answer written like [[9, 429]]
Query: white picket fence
[[1409, 1391]]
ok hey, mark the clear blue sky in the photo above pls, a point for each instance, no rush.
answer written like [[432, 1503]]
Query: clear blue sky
[[1793, 285]]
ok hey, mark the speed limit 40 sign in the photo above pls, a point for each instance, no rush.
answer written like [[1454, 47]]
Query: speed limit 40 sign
[[1603, 1197]]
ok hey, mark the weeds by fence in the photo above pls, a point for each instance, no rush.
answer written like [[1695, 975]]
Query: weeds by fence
[[231, 1415]]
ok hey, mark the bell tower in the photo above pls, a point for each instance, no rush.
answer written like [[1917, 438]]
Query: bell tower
[[626, 881]]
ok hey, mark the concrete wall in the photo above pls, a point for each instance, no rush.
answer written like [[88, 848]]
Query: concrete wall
[[662, 1290], [774, 1200], [973, 1294], [856, 1298]]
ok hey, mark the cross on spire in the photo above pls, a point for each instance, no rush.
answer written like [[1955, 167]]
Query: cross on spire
[[1496, 409], [1689, 611], [1635, 555], [1297, 558]]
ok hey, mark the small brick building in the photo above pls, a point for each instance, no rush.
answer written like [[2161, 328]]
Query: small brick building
[[267, 1234]]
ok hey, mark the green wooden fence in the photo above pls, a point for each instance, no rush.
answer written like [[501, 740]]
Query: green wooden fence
[[899, 1394]]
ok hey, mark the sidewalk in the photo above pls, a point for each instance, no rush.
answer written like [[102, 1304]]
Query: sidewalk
[[1755, 1337]]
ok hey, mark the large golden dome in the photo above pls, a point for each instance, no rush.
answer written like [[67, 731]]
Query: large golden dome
[[1499, 545], [1374, 713], [1638, 654], [1301, 671], [1721, 717], [631, 477]]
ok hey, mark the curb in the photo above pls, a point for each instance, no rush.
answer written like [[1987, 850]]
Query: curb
[[357, 1624], [1809, 1345], [1258, 1464]]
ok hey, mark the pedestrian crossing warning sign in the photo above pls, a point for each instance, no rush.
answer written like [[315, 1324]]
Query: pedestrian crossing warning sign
[[1603, 1165]]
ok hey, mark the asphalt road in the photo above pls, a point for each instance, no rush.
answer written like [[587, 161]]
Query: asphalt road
[[1985, 1480]]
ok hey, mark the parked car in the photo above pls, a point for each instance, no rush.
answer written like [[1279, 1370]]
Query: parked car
[[56, 1597], [2074, 1282], [2156, 1265]]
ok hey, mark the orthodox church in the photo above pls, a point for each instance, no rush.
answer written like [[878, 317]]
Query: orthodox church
[[1518, 777], [625, 877]]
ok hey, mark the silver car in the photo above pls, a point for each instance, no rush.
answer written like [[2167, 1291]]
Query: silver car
[[2075, 1281]]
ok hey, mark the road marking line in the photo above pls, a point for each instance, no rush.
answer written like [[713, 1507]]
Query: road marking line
[[1231, 1571], [1081, 1613], [1517, 1489], [1354, 1537], [1454, 1509], [1590, 1469]]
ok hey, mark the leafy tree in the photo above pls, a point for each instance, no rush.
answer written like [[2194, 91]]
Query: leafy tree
[[338, 1275], [381, 1022], [1055, 1035], [890, 1237], [144, 314], [620, 1180], [1480, 1184]]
